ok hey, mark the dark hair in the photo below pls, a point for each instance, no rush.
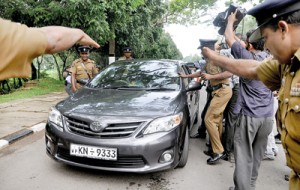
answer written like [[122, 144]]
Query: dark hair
[[291, 18], [257, 45]]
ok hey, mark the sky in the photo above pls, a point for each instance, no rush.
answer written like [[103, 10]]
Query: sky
[[187, 38]]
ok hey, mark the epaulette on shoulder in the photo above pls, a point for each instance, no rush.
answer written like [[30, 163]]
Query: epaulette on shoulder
[[76, 61]]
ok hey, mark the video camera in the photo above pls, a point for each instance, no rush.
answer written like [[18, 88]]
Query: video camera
[[221, 19]]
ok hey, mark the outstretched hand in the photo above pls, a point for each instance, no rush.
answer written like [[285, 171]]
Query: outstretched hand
[[62, 38], [86, 40], [208, 53], [182, 75], [206, 76]]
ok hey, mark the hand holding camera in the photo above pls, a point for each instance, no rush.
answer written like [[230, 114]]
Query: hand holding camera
[[223, 17], [232, 17]]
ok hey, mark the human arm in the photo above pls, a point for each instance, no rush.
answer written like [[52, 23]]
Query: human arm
[[73, 81], [61, 38], [229, 33], [219, 76], [194, 75], [242, 67]]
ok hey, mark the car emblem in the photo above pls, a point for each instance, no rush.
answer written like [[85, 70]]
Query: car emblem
[[97, 126]]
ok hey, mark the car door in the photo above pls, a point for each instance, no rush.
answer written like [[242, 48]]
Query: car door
[[192, 97]]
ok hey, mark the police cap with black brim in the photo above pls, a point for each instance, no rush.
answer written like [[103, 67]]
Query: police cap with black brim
[[84, 49], [269, 10], [210, 43], [127, 50]]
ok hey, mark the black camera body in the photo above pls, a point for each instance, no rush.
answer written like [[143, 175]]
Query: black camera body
[[221, 19]]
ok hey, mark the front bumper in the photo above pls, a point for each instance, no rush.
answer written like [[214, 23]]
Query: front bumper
[[135, 154]]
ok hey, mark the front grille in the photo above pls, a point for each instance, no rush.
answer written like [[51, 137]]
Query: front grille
[[112, 130], [124, 161]]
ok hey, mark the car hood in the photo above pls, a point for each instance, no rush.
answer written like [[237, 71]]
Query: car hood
[[127, 103]]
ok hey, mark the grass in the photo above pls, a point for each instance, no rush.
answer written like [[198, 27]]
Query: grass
[[43, 86]]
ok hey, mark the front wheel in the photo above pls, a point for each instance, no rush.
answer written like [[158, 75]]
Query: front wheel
[[185, 150]]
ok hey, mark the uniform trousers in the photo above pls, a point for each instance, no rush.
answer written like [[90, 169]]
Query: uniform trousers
[[250, 142], [202, 128], [230, 120], [294, 181], [214, 116]]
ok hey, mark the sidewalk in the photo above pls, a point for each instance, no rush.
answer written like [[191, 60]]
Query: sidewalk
[[21, 118]]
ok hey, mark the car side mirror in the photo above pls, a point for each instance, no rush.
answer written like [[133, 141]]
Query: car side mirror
[[194, 85]]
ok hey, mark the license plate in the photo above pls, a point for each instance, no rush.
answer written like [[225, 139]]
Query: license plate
[[93, 152]]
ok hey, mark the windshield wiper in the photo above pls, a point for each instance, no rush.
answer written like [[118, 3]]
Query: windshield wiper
[[130, 88], [160, 89], [123, 87], [110, 87]]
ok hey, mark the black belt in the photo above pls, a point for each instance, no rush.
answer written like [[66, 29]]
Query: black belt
[[218, 86]]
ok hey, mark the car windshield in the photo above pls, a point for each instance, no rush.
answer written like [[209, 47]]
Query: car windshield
[[144, 75]]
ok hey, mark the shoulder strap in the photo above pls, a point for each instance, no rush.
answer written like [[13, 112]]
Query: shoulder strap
[[85, 70]]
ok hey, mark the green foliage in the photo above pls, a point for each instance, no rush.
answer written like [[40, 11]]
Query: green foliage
[[192, 58], [248, 23], [136, 23], [145, 34]]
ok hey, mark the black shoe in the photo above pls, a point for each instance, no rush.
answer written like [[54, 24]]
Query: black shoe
[[277, 138], [208, 153], [195, 136], [198, 136], [202, 135], [226, 157], [286, 177], [207, 144], [215, 158]]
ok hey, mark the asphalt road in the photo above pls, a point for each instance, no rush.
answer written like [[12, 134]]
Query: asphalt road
[[25, 165]]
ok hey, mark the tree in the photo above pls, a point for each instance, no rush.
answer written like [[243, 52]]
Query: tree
[[137, 23]]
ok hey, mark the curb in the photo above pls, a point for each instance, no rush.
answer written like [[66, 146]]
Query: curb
[[9, 139]]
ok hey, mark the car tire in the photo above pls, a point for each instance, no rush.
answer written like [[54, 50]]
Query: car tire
[[185, 151]]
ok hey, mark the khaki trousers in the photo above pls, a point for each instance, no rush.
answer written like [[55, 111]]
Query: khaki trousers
[[294, 182], [214, 117]]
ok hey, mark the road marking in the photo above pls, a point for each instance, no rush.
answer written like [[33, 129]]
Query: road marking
[[3, 143], [38, 127]]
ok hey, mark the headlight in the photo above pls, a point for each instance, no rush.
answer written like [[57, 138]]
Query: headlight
[[164, 124], [55, 117]]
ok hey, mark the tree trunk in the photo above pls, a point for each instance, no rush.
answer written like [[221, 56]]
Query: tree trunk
[[33, 72], [57, 68], [39, 62]]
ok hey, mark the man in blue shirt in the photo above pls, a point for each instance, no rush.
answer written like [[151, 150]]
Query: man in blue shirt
[[255, 109]]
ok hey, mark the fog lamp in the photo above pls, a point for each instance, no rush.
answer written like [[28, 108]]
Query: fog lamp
[[166, 156]]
